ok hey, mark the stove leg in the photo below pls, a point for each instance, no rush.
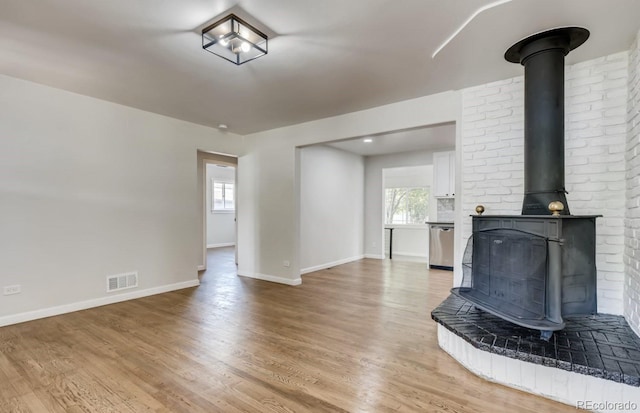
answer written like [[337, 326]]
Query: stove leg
[[545, 335]]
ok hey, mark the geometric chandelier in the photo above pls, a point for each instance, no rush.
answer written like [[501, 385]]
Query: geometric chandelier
[[235, 40]]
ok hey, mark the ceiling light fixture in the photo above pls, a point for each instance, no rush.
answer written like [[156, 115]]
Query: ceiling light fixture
[[235, 40], [473, 16], [367, 140]]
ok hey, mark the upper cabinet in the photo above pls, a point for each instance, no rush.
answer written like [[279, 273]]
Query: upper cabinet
[[444, 174]]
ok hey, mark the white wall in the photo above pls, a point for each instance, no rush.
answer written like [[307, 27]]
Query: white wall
[[221, 226], [91, 188], [374, 245], [408, 176], [408, 241], [595, 133], [95, 188], [632, 218], [273, 158], [331, 207]]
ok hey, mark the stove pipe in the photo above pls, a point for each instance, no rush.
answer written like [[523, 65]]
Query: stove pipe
[[542, 56]]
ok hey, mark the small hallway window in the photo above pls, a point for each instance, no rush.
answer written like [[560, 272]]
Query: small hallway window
[[223, 197]]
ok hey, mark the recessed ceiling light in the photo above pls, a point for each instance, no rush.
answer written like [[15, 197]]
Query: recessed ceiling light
[[367, 140], [222, 126]]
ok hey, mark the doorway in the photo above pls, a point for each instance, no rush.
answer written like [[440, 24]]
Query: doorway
[[217, 187], [220, 205]]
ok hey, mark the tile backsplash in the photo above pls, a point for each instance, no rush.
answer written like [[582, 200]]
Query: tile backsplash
[[445, 209]]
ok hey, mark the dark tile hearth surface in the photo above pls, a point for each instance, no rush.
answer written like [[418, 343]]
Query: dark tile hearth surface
[[602, 345]]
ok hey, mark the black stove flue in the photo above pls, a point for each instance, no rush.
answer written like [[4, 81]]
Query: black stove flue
[[542, 56]]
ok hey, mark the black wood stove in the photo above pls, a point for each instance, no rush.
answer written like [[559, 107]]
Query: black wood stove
[[533, 269]]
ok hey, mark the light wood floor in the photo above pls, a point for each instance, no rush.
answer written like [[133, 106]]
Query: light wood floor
[[355, 338]]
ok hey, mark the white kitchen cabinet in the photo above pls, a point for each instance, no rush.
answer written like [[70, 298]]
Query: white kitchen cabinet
[[444, 174]]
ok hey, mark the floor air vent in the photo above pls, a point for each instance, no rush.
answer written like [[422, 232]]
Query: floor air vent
[[122, 281]]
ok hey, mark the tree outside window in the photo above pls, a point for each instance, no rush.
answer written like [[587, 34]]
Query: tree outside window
[[406, 205]]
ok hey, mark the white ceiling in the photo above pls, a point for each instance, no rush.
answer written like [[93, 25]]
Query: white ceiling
[[327, 57], [433, 138]]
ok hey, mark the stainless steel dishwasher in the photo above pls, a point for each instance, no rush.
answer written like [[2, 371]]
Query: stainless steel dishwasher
[[441, 246]]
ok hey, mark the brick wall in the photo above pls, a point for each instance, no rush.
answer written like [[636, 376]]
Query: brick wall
[[632, 219], [492, 127]]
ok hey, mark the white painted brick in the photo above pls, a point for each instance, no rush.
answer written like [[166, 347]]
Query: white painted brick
[[631, 282], [586, 80], [612, 120], [570, 109], [576, 160], [544, 380], [498, 191], [474, 102], [528, 376], [475, 117], [619, 111], [575, 73], [585, 98], [564, 386], [504, 82], [585, 133], [500, 113], [596, 129], [487, 92]]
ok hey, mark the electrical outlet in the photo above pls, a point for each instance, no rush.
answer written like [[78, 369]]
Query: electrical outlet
[[286, 264], [12, 289]]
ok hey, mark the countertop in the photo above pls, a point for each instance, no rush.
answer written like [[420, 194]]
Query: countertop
[[439, 223]]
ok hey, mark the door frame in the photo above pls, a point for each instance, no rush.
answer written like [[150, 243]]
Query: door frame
[[204, 158]]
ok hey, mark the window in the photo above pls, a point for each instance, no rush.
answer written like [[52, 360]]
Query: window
[[406, 205], [223, 196]]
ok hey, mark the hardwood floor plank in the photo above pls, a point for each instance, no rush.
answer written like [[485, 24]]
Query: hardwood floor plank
[[352, 338]]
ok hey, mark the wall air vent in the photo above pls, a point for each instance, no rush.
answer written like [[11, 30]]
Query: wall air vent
[[122, 281]]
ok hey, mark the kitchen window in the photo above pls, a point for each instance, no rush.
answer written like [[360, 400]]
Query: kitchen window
[[223, 196], [406, 205]]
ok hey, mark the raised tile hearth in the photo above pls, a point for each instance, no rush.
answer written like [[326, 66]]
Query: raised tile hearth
[[594, 358]]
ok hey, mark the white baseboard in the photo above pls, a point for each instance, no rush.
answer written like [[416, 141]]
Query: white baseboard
[[96, 302], [375, 256], [271, 278], [330, 264], [224, 244]]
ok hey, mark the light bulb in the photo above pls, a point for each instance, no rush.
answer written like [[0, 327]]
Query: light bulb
[[245, 47], [223, 42]]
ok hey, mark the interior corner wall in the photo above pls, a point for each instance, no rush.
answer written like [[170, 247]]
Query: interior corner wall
[[374, 195], [90, 189], [492, 146], [221, 226], [632, 219], [331, 207]]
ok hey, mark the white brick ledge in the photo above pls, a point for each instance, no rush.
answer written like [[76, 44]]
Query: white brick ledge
[[574, 389]]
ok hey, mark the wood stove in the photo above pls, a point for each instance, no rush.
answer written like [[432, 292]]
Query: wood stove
[[536, 268], [531, 270]]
